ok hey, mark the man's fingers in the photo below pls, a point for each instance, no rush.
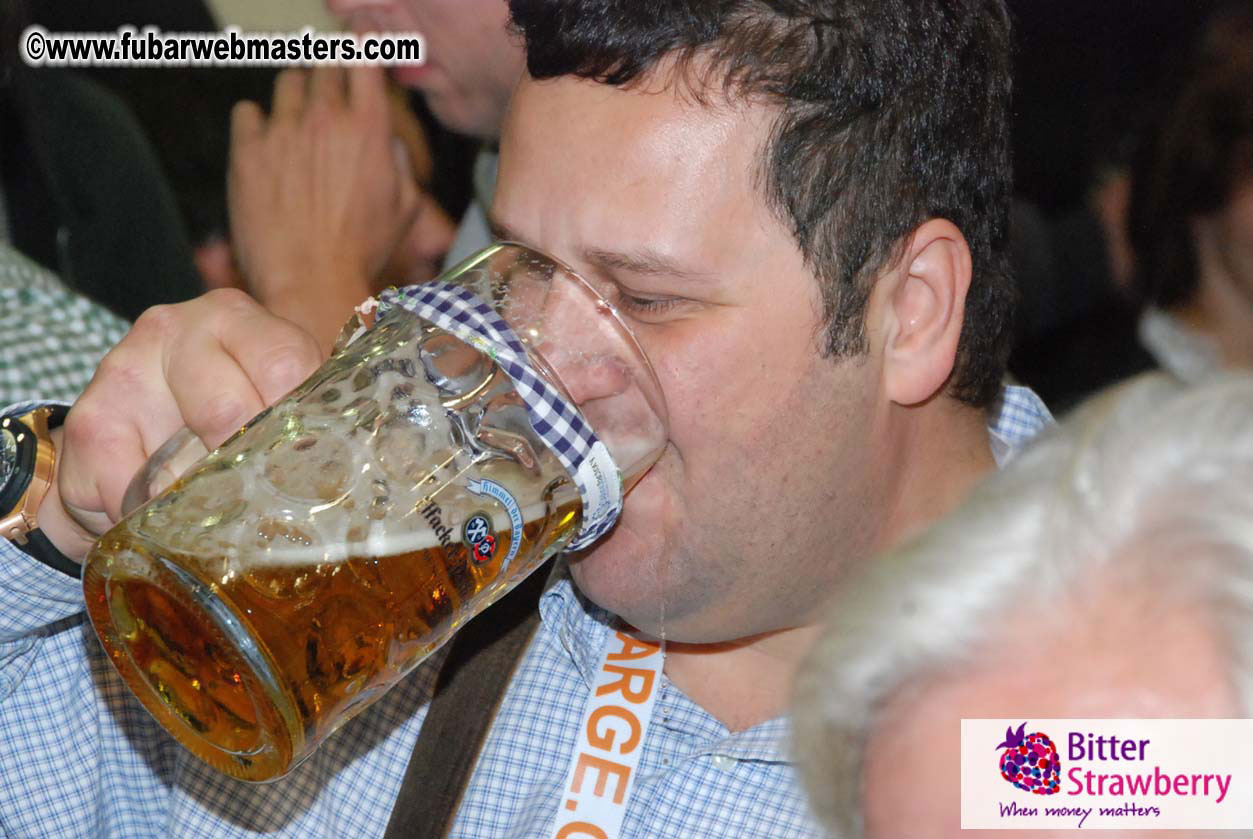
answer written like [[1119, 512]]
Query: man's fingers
[[326, 85], [214, 396], [100, 455], [209, 364], [242, 360], [402, 162], [289, 95], [367, 88], [406, 182], [275, 353], [247, 122], [125, 413]]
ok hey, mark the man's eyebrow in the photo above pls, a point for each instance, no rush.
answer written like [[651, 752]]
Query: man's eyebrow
[[642, 261], [639, 261]]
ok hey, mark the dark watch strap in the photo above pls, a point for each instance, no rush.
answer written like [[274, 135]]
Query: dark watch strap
[[38, 546], [56, 415]]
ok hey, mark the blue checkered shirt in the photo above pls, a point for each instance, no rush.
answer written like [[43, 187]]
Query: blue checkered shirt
[[79, 757]]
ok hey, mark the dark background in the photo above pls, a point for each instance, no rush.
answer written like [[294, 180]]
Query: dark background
[[186, 111], [1085, 73]]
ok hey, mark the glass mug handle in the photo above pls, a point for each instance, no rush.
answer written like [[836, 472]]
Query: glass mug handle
[[166, 465]]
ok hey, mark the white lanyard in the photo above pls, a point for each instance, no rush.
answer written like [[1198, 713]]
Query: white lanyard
[[611, 737]]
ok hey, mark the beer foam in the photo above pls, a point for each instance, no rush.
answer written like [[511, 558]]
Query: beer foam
[[381, 542]]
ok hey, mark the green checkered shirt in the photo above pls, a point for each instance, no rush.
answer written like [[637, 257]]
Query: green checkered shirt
[[51, 338]]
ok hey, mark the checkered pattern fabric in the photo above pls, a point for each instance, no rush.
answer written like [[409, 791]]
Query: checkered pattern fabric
[[458, 311], [79, 756], [53, 337], [1018, 415]]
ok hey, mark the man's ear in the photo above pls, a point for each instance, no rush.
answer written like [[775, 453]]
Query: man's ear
[[923, 312]]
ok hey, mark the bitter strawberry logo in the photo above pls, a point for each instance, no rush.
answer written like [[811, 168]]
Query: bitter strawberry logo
[[1030, 762]]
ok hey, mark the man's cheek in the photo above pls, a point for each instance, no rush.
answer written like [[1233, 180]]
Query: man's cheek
[[697, 365], [712, 402]]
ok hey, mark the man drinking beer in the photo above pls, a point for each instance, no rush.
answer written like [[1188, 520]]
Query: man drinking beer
[[801, 209]]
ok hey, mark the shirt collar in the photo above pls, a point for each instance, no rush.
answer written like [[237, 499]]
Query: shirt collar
[[1183, 352], [580, 626], [1016, 417]]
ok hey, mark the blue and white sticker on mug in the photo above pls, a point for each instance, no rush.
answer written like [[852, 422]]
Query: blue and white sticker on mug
[[477, 532]]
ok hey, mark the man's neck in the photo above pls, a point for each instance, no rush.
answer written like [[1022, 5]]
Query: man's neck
[[743, 683]]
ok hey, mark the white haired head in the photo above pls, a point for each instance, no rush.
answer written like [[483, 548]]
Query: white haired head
[[1151, 482]]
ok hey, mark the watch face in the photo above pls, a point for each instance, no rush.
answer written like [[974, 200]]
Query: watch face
[[8, 455]]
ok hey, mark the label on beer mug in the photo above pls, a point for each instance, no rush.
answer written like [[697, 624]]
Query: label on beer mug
[[600, 475], [480, 535]]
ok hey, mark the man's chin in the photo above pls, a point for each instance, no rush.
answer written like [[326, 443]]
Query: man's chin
[[638, 567], [643, 589], [622, 581]]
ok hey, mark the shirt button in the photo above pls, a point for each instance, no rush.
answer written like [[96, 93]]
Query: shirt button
[[726, 764]]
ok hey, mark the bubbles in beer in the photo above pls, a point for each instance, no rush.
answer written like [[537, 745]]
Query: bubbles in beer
[[329, 401], [343, 647], [213, 499], [269, 534]]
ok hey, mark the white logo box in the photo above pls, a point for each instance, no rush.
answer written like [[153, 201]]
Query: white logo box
[[1115, 775]]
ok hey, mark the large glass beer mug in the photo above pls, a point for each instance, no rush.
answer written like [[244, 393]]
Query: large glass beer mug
[[481, 424]]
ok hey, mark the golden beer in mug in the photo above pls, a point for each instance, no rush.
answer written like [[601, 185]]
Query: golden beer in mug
[[306, 565]]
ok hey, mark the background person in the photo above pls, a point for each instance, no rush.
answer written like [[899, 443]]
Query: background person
[[81, 190], [473, 63], [1103, 574], [323, 195], [1191, 225], [1181, 211], [318, 227], [53, 337]]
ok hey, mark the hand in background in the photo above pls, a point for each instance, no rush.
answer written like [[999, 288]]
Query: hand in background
[[320, 193], [420, 254], [209, 364]]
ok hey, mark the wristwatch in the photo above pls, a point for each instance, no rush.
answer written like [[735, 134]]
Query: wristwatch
[[27, 468]]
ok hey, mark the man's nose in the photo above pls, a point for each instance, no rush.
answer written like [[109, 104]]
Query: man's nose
[[579, 337], [583, 344], [591, 377]]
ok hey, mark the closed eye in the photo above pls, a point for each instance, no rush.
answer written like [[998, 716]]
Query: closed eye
[[646, 305]]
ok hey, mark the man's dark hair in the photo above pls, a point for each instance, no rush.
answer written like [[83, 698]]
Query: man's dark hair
[[892, 112], [1201, 149]]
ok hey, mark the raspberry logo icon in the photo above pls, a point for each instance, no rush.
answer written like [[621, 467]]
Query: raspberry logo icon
[[1030, 762]]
